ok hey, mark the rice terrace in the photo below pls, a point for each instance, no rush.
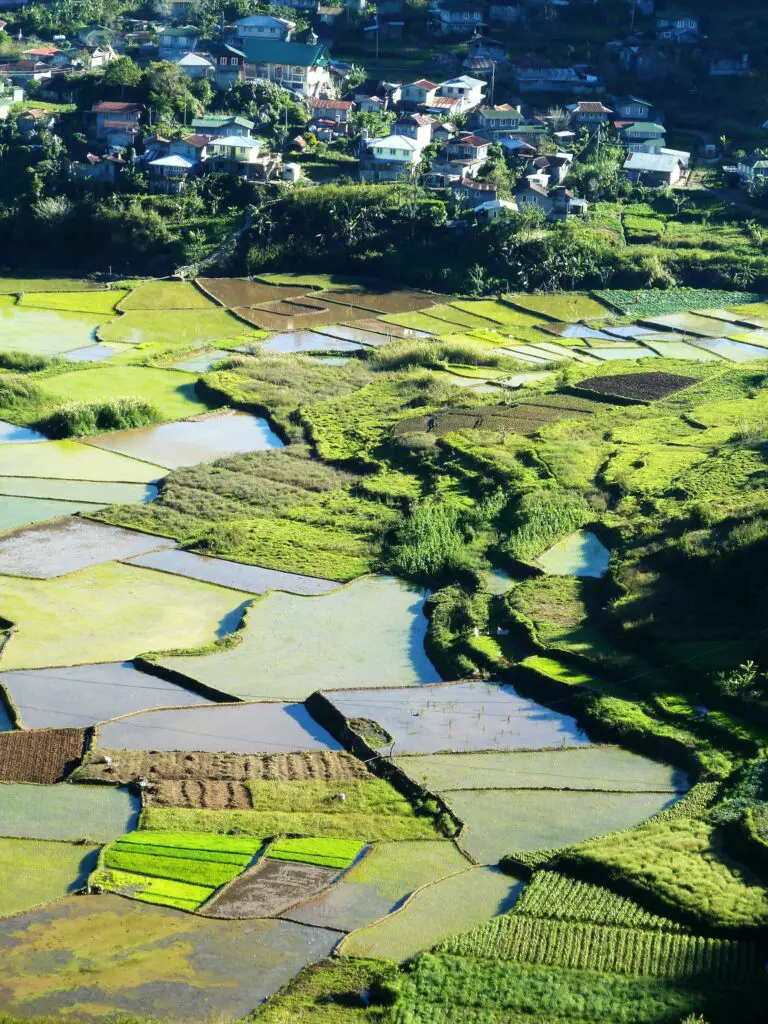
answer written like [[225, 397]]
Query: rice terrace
[[370, 654]]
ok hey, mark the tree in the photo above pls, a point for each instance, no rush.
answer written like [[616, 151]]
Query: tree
[[377, 125], [123, 74], [167, 92]]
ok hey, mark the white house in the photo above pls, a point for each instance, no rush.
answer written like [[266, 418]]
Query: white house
[[393, 158], [194, 65], [469, 91], [456, 17], [169, 173], [301, 67], [499, 120], [235, 149], [653, 168], [262, 26], [418, 93]]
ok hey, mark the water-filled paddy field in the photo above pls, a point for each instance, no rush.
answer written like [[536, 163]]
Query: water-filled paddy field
[[370, 630], [83, 695]]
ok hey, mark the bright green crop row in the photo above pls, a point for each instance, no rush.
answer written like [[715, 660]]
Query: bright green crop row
[[332, 853], [194, 871], [166, 892], [211, 842], [575, 945], [560, 898]]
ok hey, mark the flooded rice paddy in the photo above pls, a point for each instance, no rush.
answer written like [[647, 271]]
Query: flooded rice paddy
[[71, 460], [308, 341], [92, 353], [253, 579], [237, 728], [578, 554], [11, 434], [83, 695], [733, 351], [203, 362], [87, 956], [379, 883], [459, 716], [189, 442], [99, 492], [68, 545], [45, 332], [64, 811], [16, 512], [371, 631]]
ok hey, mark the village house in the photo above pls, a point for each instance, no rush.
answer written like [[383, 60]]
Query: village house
[[181, 9], [301, 67], [462, 157], [419, 93], [455, 17], [236, 154], [653, 169], [115, 123], [531, 75], [557, 204], [193, 148], [505, 13], [753, 169], [219, 126], [483, 46], [338, 111], [33, 121], [228, 64], [371, 104], [417, 127], [587, 113], [175, 42], [21, 72], [468, 91], [195, 65], [632, 108], [169, 174], [677, 26], [394, 158], [500, 120], [729, 64], [261, 26], [474, 193], [642, 135], [103, 170]]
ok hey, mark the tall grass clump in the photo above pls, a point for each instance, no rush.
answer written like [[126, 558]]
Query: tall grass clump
[[399, 355], [541, 517], [80, 419], [15, 392], [23, 362], [430, 541]]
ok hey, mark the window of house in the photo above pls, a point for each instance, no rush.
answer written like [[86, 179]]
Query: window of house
[[233, 60]]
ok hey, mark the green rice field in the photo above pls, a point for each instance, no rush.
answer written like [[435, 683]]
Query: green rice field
[[96, 813], [34, 872], [177, 329], [99, 303], [172, 392], [452, 904], [73, 461], [112, 612]]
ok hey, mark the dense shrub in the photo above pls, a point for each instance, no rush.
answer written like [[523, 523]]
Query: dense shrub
[[430, 541], [80, 419], [15, 391], [23, 362], [542, 517]]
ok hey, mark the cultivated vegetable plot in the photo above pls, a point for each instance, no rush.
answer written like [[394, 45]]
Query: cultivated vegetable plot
[[550, 894], [330, 853], [43, 755], [638, 387], [174, 869], [657, 954], [672, 300]]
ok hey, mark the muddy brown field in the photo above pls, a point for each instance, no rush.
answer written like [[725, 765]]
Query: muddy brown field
[[206, 768], [269, 889], [40, 755]]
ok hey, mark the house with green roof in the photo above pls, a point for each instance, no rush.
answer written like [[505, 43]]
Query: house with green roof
[[301, 67], [219, 126], [643, 135]]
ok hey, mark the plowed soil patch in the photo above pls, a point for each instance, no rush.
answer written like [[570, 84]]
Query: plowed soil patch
[[40, 755], [178, 765], [637, 387], [270, 889], [271, 321], [233, 291], [214, 794]]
